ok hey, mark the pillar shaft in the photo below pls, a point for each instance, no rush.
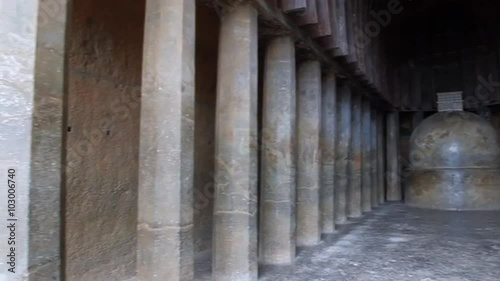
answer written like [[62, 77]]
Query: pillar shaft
[[394, 192], [329, 118], [355, 160], [367, 153], [373, 158], [381, 158], [235, 207], [342, 142], [277, 222], [308, 152], [165, 219], [32, 89]]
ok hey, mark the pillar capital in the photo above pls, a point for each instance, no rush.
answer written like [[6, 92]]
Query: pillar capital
[[223, 7]]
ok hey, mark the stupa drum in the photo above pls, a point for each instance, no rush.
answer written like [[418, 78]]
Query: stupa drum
[[455, 163]]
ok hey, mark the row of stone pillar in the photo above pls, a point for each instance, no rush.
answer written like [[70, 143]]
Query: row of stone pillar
[[309, 158], [336, 170], [322, 157]]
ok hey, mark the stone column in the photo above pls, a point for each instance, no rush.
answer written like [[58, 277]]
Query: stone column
[[381, 158], [235, 207], [165, 221], [367, 151], [373, 158], [32, 89], [355, 160], [308, 153], [342, 142], [394, 192], [328, 133], [277, 207]]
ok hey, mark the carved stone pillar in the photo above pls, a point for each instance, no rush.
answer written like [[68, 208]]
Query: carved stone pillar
[[373, 158], [355, 160], [308, 153], [277, 207], [367, 153], [343, 140], [394, 192], [328, 134], [235, 206], [165, 222], [381, 158]]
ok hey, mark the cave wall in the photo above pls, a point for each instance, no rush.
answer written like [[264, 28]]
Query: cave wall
[[104, 74]]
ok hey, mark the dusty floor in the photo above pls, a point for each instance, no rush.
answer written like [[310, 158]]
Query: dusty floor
[[402, 244]]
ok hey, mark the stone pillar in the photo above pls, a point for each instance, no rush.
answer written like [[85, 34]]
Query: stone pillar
[[328, 133], [32, 89], [277, 207], [373, 158], [165, 221], [355, 160], [381, 158], [394, 192], [308, 153], [342, 142], [235, 207], [367, 165]]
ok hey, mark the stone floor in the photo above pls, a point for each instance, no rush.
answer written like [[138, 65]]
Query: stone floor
[[398, 243]]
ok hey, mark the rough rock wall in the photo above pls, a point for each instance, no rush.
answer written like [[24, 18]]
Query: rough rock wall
[[105, 57]]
